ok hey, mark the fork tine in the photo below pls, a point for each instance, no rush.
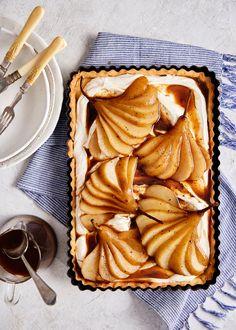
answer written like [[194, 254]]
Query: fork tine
[[5, 119], [2, 129]]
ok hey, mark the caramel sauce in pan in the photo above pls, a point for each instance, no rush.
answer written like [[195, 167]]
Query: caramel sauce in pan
[[164, 123], [152, 272], [141, 178], [203, 88], [200, 190], [91, 114], [194, 119], [91, 240], [181, 94]]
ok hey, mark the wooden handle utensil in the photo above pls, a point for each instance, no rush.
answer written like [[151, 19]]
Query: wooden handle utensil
[[29, 26]]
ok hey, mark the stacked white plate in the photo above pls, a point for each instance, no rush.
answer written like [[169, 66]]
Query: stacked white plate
[[36, 115]]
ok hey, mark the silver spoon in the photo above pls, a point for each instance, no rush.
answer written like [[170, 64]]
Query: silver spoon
[[47, 294]]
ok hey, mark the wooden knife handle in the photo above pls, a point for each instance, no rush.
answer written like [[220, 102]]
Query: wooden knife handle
[[57, 45], [29, 26]]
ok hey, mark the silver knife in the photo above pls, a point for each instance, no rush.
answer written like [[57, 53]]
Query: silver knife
[[18, 43]]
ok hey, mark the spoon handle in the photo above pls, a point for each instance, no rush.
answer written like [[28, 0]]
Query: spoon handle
[[48, 295]]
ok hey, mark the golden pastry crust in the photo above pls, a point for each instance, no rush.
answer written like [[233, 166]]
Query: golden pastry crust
[[75, 93]]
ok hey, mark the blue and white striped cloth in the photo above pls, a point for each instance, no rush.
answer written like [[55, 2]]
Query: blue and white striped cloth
[[45, 179]]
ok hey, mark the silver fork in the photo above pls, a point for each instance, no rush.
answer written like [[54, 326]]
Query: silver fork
[[8, 114], [6, 118]]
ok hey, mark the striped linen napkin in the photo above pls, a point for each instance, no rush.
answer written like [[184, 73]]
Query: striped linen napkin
[[45, 179]]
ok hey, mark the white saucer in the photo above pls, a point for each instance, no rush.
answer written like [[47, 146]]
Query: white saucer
[[38, 112]]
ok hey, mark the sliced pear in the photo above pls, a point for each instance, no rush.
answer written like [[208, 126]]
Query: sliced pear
[[121, 133], [99, 184], [103, 141], [103, 266], [115, 257], [170, 235], [149, 233], [174, 243], [156, 164], [151, 272], [114, 139], [187, 160], [194, 264], [133, 130], [138, 87], [113, 267], [177, 259], [98, 201], [93, 209], [121, 261], [95, 149], [133, 115], [162, 210], [148, 147], [125, 249], [162, 193], [186, 163], [90, 264], [132, 166], [122, 173], [126, 119], [144, 223], [198, 159], [155, 156], [89, 220], [173, 160], [110, 188]]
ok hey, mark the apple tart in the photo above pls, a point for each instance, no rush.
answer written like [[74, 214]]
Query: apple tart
[[143, 178]]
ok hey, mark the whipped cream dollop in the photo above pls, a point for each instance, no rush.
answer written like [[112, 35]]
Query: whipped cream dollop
[[120, 222], [118, 84]]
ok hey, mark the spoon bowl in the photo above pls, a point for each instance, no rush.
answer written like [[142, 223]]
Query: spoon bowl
[[17, 252]]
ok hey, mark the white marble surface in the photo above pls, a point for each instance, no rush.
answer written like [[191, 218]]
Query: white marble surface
[[209, 24]]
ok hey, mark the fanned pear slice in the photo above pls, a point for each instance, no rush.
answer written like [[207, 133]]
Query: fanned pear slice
[[113, 258], [200, 163], [136, 130], [174, 243], [95, 149], [89, 221], [126, 119], [90, 264], [148, 147], [121, 133], [162, 193], [103, 141], [113, 266], [188, 161], [114, 139], [110, 188], [104, 269], [160, 209]]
